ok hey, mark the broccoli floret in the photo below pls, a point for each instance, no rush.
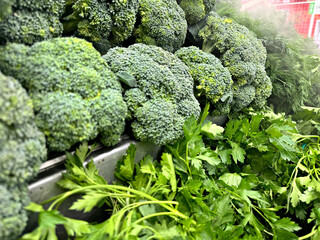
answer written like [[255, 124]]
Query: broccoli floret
[[109, 111], [70, 72], [55, 7], [13, 217], [89, 19], [241, 52], [32, 21], [196, 10], [243, 96], [71, 112], [162, 97], [5, 8], [22, 145], [124, 16], [162, 24], [29, 27], [212, 79]]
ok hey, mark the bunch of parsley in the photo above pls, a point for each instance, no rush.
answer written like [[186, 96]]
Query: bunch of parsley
[[257, 178]]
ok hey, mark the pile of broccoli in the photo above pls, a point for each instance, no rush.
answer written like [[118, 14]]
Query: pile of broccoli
[[159, 94], [245, 57], [76, 97], [22, 150], [32, 21]]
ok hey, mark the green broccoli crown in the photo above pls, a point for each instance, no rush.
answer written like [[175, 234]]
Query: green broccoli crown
[[90, 19], [241, 52], [61, 113], [158, 121], [22, 145], [212, 80], [55, 7], [162, 80], [109, 113], [74, 69], [13, 217], [29, 27], [5, 8], [196, 10], [162, 24], [124, 16], [242, 96]]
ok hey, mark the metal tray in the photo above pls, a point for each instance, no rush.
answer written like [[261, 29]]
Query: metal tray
[[105, 159]]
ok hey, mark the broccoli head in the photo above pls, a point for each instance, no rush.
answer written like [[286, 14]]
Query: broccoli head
[[55, 7], [22, 144], [212, 79], [159, 94], [89, 19], [76, 96], [124, 16], [13, 216], [32, 21], [196, 10], [162, 24], [28, 28], [101, 21], [242, 53]]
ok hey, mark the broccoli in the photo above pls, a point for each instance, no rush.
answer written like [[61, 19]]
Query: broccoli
[[212, 80], [160, 94], [32, 21], [162, 24], [89, 19], [76, 96], [101, 21], [242, 53], [22, 144], [196, 10], [124, 16], [13, 217], [5, 8]]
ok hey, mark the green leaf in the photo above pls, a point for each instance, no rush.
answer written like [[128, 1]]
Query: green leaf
[[210, 157], [225, 156], [76, 227], [282, 234], [295, 194], [125, 167], [168, 170], [49, 219], [33, 207], [237, 152], [231, 128], [287, 224], [231, 179], [211, 130], [127, 78], [88, 201]]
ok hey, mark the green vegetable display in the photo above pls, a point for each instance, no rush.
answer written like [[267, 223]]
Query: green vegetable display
[[159, 91], [211, 184], [67, 79]]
